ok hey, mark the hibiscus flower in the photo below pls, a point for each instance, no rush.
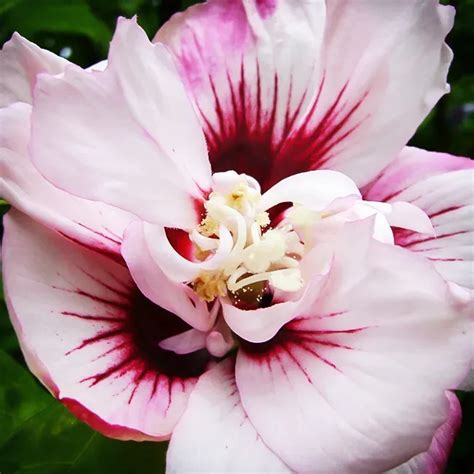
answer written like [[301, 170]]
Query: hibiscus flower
[[218, 237]]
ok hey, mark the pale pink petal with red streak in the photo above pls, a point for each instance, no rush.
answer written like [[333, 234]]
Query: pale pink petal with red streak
[[435, 459], [276, 99], [394, 69], [365, 366], [229, 442], [241, 61], [92, 337], [178, 298], [443, 186]]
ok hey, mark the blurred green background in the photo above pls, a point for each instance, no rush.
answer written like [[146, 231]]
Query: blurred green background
[[37, 435]]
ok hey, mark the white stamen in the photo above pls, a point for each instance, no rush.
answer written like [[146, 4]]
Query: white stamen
[[287, 280], [289, 262], [239, 253], [225, 246], [232, 281], [203, 242], [255, 232], [246, 281]]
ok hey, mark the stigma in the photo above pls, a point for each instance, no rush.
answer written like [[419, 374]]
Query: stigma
[[238, 248]]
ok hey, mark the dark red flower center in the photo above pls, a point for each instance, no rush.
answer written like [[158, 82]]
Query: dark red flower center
[[149, 325]]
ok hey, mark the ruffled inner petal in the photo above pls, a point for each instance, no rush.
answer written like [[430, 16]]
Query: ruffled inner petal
[[92, 224], [126, 136]]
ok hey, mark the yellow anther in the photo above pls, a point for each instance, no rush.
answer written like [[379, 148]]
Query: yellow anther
[[208, 227], [210, 285], [239, 195]]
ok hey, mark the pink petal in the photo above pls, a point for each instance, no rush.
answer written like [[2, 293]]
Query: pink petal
[[20, 62], [411, 166], [102, 135], [394, 71], [220, 343], [262, 324], [435, 459], [177, 298], [157, 100], [227, 441], [365, 366], [15, 128], [163, 257], [242, 65], [442, 186], [186, 342], [165, 253], [407, 216], [92, 337], [270, 114], [398, 214], [92, 224]]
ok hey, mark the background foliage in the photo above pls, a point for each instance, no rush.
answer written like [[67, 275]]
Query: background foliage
[[38, 435]]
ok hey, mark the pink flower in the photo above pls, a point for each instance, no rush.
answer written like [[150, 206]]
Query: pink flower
[[219, 238]]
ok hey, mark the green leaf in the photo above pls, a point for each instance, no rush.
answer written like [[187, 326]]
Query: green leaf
[[7, 4], [20, 397], [130, 7], [57, 16], [8, 339], [39, 436]]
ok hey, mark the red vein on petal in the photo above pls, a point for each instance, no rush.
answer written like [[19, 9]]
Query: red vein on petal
[[438, 237], [97, 247], [218, 109], [259, 96], [310, 350], [137, 381], [242, 97], [98, 299], [100, 234], [95, 379], [444, 211], [88, 317], [235, 108], [99, 337], [105, 285], [438, 259]]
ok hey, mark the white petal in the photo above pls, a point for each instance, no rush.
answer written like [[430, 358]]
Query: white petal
[[315, 190], [20, 62], [227, 441]]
